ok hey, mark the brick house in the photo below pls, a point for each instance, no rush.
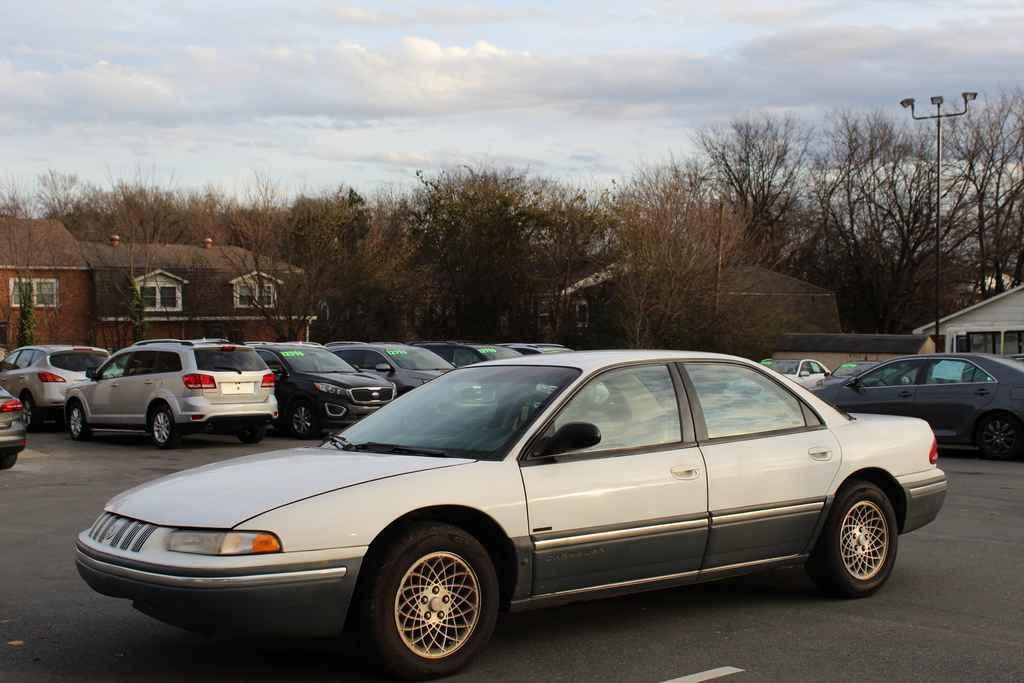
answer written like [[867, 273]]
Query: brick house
[[82, 290]]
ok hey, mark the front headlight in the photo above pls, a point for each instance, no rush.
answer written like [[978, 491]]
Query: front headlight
[[329, 388], [223, 542]]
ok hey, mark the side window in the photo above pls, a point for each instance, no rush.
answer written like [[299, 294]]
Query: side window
[[11, 361], [949, 371], [816, 369], [462, 357], [353, 357], [739, 401], [633, 407], [443, 351], [272, 361], [898, 374], [26, 359], [373, 359], [115, 368], [167, 361], [141, 363]]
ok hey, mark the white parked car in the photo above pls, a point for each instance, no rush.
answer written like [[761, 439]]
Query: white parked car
[[517, 484], [807, 372]]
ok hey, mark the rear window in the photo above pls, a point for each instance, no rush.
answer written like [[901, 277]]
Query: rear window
[[77, 361], [229, 359]]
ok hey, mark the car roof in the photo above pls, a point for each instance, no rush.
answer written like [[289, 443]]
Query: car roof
[[592, 360]]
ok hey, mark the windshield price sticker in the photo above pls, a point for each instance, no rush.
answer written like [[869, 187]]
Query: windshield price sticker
[[292, 354], [397, 352], [488, 349]]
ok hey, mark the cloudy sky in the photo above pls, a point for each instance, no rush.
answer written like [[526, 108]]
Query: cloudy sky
[[317, 92]]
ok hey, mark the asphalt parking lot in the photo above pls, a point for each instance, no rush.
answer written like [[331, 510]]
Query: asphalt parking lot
[[952, 610]]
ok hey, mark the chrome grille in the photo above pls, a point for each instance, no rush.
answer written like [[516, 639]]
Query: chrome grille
[[372, 394], [121, 532]]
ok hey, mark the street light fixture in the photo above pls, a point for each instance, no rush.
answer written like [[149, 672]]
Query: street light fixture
[[908, 103]]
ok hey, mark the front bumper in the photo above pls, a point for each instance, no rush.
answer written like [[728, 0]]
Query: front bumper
[[335, 411], [284, 600], [924, 497]]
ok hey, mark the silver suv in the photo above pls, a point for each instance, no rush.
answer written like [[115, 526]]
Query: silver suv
[[40, 376], [171, 387]]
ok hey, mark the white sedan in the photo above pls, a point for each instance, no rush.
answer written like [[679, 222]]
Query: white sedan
[[517, 484]]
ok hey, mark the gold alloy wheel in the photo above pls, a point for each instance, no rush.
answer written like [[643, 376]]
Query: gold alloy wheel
[[437, 605], [864, 540]]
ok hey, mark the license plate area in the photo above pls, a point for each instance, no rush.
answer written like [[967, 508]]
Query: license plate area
[[237, 388]]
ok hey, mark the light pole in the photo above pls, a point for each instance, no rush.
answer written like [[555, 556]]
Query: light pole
[[938, 116]]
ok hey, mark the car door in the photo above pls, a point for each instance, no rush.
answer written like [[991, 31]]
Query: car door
[[128, 402], [770, 463], [103, 394], [284, 389], [952, 392], [631, 508], [889, 389], [19, 375]]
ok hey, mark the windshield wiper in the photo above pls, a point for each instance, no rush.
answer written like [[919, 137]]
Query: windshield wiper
[[339, 442], [227, 367], [395, 449]]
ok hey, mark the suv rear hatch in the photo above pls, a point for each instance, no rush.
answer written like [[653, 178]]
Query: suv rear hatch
[[238, 372]]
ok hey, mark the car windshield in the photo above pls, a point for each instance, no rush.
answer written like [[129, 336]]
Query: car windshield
[[228, 359], [77, 361], [314, 359], [497, 352], [416, 358], [786, 367], [475, 412]]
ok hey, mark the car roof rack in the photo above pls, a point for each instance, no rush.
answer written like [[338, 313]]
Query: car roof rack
[[183, 342]]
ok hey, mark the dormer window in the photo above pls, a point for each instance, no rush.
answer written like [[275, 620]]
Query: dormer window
[[255, 290], [161, 291]]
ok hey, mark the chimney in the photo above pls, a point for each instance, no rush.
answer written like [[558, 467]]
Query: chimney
[[115, 240], [208, 243]]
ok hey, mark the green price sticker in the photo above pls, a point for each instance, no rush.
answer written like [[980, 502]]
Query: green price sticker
[[488, 349], [292, 354], [397, 352]]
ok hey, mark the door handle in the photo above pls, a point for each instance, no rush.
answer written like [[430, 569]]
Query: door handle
[[148, 381], [113, 384], [683, 472], [981, 392], [905, 394], [819, 454]]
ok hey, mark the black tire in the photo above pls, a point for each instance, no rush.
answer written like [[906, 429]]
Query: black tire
[[162, 430], [377, 602], [30, 413], [999, 436], [78, 426], [7, 461], [303, 422], [252, 434], [827, 567]]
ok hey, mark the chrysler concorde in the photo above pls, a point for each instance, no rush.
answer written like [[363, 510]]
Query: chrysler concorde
[[516, 484]]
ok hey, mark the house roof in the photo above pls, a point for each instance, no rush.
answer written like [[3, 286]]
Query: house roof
[[962, 311], [902, 344], [757, 280], [173, 258], [31, 243]]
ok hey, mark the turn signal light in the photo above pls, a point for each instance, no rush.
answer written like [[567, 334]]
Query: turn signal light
[[49, 377], [933, 454], [12, 406], [265, 543], [199, 382], [268, 381]]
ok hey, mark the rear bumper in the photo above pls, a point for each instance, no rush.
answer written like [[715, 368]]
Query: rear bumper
[[924, 501], [290, 602], [225, 424], [12, 442]]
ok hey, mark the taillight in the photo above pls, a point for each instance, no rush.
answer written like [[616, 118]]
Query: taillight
[[268, 381], [199, 382], [11, 406], [49, 377], [933, 454]]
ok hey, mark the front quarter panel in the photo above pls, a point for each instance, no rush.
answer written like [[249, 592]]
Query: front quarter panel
[[354, 516]]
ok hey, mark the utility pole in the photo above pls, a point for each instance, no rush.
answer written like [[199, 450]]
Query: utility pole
[[938, 116]]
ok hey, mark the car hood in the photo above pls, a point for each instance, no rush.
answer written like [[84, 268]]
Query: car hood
[[225, 494], [350, 380]]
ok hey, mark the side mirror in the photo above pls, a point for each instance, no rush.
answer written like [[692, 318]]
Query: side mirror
[[573, 436], [383, 367], [854, 384], [828, 374], [805, 373], [90, 373]]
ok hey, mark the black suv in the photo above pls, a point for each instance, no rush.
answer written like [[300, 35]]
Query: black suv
[[316, 390], [407, 366], [467, 353]]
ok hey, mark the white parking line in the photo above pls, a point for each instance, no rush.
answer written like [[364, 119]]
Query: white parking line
[[707, 675]]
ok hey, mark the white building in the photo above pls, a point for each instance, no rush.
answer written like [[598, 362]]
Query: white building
[[995, 325]]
